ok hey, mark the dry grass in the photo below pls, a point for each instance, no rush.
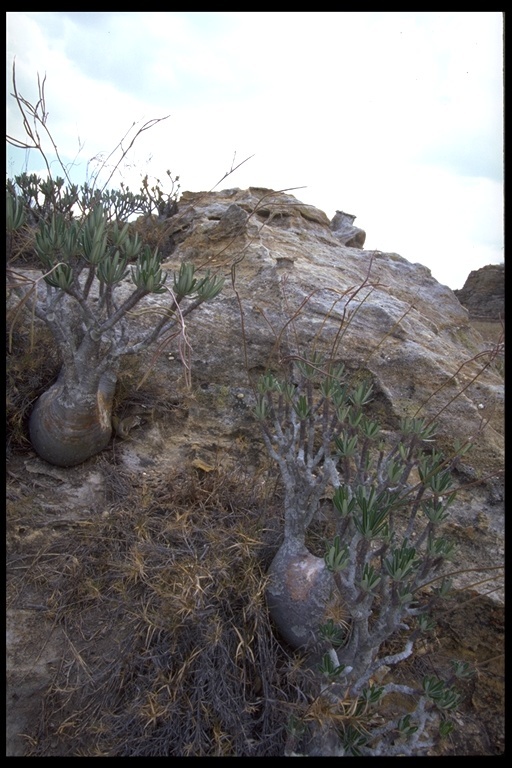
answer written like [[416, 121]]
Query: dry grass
[[493, 332], [170, 651], [32, 364], [490, 330]]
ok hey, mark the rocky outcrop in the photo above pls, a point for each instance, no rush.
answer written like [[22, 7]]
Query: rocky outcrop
[[293, 283], [483, 293], [290, 278]]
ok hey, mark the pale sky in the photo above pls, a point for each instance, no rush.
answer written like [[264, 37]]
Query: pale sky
[[394, 117]]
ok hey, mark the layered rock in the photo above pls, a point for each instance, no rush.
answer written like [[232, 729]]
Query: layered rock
[[292, 285], [290, 278]]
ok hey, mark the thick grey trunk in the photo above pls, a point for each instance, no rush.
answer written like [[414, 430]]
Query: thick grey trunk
[[69, 424], [299, 591]]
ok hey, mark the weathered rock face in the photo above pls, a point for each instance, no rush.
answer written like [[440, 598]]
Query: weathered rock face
[[289, 278], [293, 286], [483, 293]]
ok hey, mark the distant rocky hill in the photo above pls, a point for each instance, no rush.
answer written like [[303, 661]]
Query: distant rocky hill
[[483, 293]]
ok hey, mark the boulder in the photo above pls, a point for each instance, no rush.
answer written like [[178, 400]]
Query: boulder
[[483, 293], [292, 284], [342, 226]]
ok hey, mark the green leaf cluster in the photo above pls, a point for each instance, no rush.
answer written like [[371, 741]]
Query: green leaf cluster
[[42, 198]]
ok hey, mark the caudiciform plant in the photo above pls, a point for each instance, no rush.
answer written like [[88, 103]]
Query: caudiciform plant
[[94, 273], [389, 497], [84, 262]]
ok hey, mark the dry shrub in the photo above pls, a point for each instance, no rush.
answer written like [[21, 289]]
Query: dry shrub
[[32, 364], [171, 652]]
